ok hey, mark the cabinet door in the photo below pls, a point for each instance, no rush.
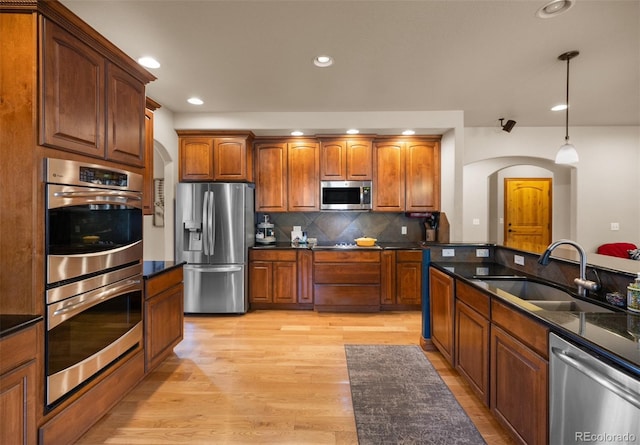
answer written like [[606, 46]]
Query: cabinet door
[[389, 172], [284, 282], [271, 177], [333, 160], [519, 388], [148, 192], [441, 296], [472, 349], [73, 101], [422, 185], [196, 159], [409, 283], [305, 276], [260, 282], [125, 119], [388, 277], [304, 174], [230, 159], [18, 403], [163, 325], [359, 160]]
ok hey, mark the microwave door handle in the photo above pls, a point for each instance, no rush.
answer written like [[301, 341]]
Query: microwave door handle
[[205, 223], [212, 222], [89, 300]]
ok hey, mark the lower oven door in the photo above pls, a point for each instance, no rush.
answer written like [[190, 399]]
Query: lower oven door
[[590, 401], [87, 332]]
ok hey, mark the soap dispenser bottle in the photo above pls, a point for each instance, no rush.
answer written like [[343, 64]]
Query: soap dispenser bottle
[[633, 295]]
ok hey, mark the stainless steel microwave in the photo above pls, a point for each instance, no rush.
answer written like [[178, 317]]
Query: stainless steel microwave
[[345, 195]]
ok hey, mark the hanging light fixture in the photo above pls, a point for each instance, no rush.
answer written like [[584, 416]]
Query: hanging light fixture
[[567, 153]]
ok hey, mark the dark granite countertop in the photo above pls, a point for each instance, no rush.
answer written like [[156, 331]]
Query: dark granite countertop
[[11, 323], [382, 245], [613, 335], [153, 268]]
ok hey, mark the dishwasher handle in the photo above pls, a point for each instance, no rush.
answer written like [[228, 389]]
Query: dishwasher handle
[[591, 372]]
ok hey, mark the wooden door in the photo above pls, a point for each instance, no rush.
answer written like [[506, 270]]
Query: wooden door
[[388, 177], [125, 117], [271, 177], [527, 213], [196, 159], [73, 100], [441, 293], [422, 176], [304, 174], [230, 159]]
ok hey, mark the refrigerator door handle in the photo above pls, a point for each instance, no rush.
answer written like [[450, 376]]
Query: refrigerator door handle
[[212, 222], [205, 222], [205, 269]]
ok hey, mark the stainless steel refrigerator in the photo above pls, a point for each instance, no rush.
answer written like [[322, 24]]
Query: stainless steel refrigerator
[[214, 230]]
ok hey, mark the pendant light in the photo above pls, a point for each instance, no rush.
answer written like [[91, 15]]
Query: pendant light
[[567, 153]]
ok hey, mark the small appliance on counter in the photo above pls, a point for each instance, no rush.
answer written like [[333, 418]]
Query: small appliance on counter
[[298, 236], [265, 233]]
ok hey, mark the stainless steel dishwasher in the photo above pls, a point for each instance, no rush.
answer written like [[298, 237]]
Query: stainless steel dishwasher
[[590, 401]]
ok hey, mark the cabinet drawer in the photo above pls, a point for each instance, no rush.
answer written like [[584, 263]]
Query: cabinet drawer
[[345, 295], [409, 256], [333, 256], [476, 299], [346, 273], [18, 348], [525, 329], [164, 281], [272, 255]]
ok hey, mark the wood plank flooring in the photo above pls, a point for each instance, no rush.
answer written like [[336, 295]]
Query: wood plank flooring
[[266, 377]]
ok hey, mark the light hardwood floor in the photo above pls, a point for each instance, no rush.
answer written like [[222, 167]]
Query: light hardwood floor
[[266, 377]]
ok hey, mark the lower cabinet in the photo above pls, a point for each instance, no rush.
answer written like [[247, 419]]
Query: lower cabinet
[[163, 315], [401, 287], [273, 278], [441, 297], [472, 328], [519, 374], [19, 366]]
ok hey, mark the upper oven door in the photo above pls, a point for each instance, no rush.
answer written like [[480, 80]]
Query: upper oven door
[[90, 229]]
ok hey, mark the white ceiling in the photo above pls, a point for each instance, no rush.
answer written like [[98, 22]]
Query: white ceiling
[[488, 58]]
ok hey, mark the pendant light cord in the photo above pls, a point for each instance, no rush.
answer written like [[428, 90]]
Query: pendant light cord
[[566, 135]]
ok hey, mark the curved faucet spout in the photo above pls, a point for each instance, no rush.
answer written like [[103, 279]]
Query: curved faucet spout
[[582, 283]]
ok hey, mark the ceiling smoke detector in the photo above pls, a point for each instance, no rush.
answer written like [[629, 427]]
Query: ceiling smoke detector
[[554, 8]]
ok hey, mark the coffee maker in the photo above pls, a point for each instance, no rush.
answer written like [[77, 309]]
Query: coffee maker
[[265, 233]]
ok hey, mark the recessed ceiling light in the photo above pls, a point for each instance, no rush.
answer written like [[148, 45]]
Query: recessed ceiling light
[[353, 131], [554, 8], [195, 101], [297, 133], [323, 61], [560, 107], [408, 132], [149, 62]]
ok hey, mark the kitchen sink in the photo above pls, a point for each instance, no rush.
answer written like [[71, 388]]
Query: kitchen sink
[[544, 296]]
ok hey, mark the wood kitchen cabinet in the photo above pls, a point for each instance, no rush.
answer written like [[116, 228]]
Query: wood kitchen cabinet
[[210, 156], [401, 287], [345, 159], [90, 105], [163, 315], [519, 374], [347, 281], [406, 175], [441, 297], [148, 195], [273, 278], [20, 364], [287, 176], [472, 328]]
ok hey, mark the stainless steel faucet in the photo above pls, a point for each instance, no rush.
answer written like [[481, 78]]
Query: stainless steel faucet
[[583, 284]]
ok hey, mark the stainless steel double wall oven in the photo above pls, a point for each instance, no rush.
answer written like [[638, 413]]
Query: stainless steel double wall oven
[[93, 232]]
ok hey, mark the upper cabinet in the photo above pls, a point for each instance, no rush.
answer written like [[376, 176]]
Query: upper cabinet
[[287, 176], [406, 175], [345, 159], [89, 104], [148, 191], [215, 156]]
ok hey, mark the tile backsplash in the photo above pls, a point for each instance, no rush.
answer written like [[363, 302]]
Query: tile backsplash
[[334, 227]]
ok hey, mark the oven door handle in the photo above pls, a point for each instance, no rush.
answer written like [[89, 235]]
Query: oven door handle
[[120, 195], [64, 310], [584, 367]]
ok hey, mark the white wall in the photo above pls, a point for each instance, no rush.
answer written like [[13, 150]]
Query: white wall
[[603, 188]]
